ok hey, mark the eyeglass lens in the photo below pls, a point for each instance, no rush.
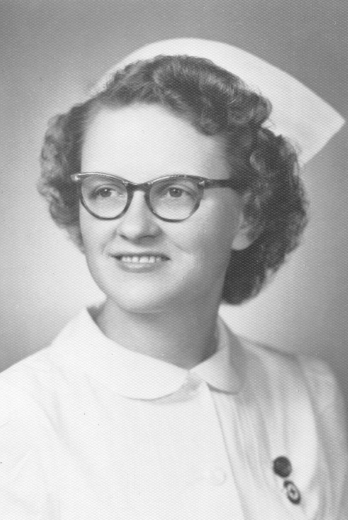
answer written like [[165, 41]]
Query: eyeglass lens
[[172, 199]]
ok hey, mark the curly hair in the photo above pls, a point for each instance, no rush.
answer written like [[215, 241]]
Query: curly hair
[[216, 103]]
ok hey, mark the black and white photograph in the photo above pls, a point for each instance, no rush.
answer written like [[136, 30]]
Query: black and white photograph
[[174, 260]]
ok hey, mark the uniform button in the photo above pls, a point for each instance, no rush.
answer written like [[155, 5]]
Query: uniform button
[[217, 476], [292, 492], [282, 467]]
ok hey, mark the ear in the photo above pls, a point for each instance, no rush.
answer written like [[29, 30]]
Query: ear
[[247, 232], [245, 235]]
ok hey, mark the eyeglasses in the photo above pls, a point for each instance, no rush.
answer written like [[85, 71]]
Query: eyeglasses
[[173, 198]]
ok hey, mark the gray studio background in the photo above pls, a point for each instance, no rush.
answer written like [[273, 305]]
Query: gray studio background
[[52, 52]]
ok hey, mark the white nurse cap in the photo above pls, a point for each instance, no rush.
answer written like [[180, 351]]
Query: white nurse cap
[[298, 113]]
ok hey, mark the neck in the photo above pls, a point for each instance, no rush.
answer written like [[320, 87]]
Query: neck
[[183, 337]]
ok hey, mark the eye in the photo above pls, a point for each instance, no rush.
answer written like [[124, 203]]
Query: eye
[[103, 193], [107, 192], [176, 191]]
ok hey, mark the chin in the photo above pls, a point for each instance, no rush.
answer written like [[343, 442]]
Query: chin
[[140, 301], [147, 297]]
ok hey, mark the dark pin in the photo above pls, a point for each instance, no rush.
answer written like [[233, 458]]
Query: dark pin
[[282, 467], [292, 492]]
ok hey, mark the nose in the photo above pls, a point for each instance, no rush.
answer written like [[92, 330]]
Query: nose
[[138, 221]]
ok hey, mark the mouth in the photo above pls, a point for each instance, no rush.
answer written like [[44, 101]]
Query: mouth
[[141, 259]]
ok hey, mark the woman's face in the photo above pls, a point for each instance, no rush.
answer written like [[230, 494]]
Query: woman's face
[[140, 143]]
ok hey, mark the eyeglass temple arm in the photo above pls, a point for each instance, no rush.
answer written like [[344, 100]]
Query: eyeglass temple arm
[[232, 183]]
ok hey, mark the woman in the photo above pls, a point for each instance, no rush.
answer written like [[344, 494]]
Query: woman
[[179, 194]]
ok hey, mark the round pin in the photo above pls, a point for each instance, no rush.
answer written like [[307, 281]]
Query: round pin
[[282, 466], [292, 492]]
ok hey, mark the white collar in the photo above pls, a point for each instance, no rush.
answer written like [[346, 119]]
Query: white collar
[[82, 347]]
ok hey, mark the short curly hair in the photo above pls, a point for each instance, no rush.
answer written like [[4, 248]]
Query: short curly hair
[[216, 103]]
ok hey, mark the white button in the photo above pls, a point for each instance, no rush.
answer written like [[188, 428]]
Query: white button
[[217, 476]]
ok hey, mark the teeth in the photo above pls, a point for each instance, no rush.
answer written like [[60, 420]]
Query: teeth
[[143, 259]]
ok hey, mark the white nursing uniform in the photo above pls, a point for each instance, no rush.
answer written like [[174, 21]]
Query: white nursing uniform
[[92, 431]]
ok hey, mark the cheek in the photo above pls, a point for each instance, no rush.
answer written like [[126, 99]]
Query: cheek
[[209, 240], [222, 224], [95, 233]]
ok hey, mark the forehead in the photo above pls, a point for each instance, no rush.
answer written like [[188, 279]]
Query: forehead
[[148, 141]]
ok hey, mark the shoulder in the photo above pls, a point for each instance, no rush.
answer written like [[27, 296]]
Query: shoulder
[[34, 379], [29, 393], [292, 386], [291, 369], [303, 393], [46, 358]]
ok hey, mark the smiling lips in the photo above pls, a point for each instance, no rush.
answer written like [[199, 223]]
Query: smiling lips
[[141, 259]]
